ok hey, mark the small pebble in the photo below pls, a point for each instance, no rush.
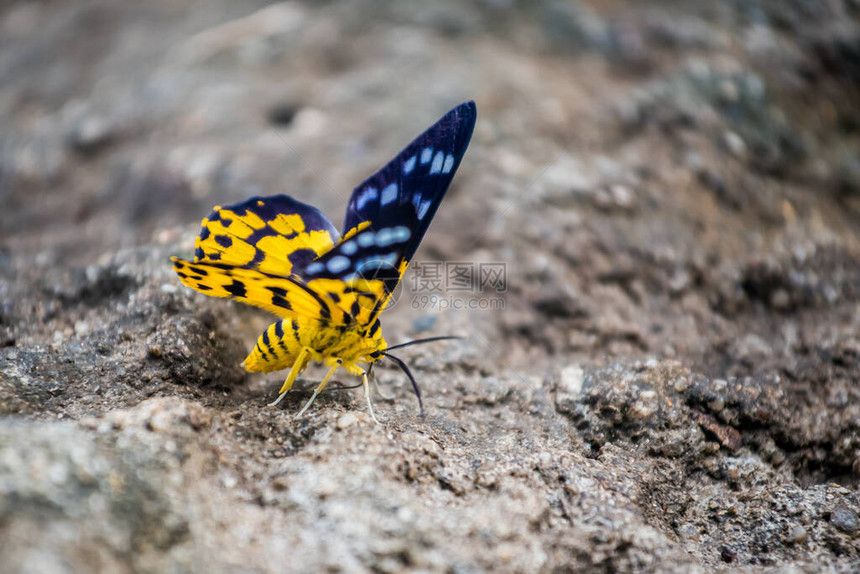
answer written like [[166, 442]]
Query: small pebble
[[796, 534], [780, 299], [90, 134], [645, 406], [845, 519], [346, 420], [682, 384], [729, 91], [571, 380], [735, 144], [82, 328], [622, 196], [717, 404], [777, 458]]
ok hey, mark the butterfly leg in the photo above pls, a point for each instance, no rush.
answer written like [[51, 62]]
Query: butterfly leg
[[321, 386], [291, 378], [367, 396]]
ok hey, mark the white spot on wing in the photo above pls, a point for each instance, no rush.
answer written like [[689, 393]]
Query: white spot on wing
[[377, 262], [402, 233], [449, 163], [389, 194], [422, 209], [438, 159], [314, 268], [426, 154], [392, 235], [337, 264], [348, 248], [416, 199], [368, 194], [409, 164], [366, 239], [383, 237]]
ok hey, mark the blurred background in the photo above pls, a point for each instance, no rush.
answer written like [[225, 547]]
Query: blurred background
[[664, 180]]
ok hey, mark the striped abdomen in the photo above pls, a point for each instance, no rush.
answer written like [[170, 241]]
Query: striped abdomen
[[280, 344]]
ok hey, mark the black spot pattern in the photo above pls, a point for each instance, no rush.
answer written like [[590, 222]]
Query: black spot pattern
[[301, 257], [259, 257], [279, 301], [268, 343], [224, 241], [236, 289], [258, 234], [374, 328]]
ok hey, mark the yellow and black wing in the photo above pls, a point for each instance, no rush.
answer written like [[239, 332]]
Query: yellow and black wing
[[255, 252]]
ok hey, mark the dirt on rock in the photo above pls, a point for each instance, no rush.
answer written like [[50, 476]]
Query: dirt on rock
[[658, 212]]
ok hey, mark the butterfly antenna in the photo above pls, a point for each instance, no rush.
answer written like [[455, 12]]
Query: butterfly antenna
[[427, 340], [409, 374]]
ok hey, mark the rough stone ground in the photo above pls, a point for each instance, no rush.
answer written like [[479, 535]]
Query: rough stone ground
[[671, 386]]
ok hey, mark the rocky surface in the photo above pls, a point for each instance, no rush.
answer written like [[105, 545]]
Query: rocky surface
[[667, 381]]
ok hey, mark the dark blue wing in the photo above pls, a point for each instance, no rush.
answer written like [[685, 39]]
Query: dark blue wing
[[408, 190], [389, 213]]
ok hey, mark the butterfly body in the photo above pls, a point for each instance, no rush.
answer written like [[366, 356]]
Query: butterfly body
[[280, 345], [285, 256]]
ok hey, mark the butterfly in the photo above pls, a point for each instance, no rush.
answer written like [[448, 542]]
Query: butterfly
[[328, 289]]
